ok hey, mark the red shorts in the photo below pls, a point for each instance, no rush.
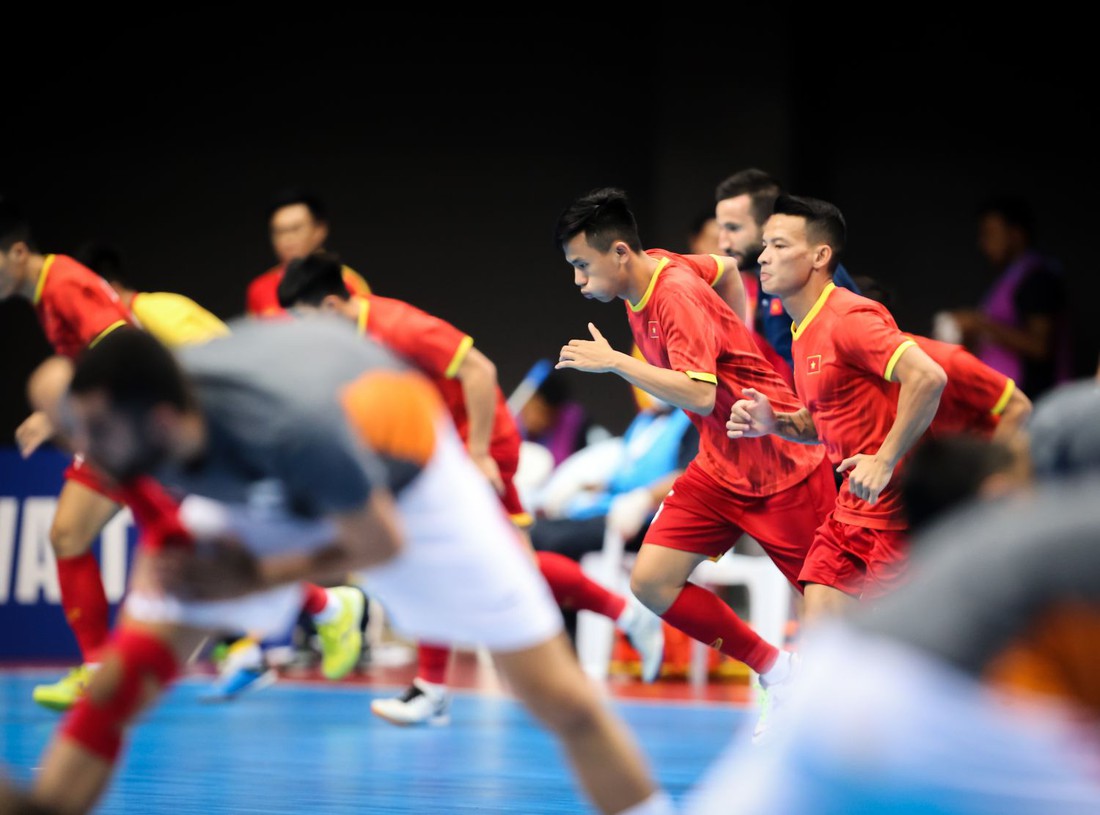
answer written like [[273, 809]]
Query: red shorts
[[862, 562], [84, 473], [700, 515]]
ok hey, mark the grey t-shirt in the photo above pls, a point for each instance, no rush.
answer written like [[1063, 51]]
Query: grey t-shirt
[[278, 438]]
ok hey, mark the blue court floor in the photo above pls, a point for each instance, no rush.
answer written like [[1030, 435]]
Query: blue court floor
[[315, 747]]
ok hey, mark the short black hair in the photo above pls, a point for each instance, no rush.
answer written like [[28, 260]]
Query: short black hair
[[761, 188], [134, 369], [1013, 210], [14, 225], [311, 279], [297, 195], [824, 221], [604, 216]]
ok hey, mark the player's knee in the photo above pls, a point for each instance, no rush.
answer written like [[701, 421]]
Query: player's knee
[[68, 542], [654, 591]]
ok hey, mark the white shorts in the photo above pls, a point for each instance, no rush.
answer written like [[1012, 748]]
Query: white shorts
[[464, 576], [875, 726]]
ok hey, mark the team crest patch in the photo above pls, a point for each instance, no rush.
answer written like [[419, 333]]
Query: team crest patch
[[813, 364], [653, 329], [775, 308]]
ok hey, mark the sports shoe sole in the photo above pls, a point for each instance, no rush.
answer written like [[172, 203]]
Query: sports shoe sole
[[267, 679]]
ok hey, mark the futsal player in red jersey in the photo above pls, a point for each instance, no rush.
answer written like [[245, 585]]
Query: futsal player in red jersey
[[978, 399], [698, 356], [298, 224], [869, 391], [76, 309], [467, 380]]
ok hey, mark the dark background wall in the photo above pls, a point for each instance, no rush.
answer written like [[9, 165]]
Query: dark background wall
[[444, 186]]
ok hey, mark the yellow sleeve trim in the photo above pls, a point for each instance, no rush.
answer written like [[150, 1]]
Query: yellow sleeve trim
[[456, 361], [701, 377], [1002, 403], [348, 272], [364, 314], [721, 261], [889, 375], [106, 331], [41, 284], [523, 520]]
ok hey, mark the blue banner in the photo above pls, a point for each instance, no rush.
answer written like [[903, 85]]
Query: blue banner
[[32, 622]]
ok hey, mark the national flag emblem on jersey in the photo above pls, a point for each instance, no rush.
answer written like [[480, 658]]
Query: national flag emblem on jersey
[[775, 308], [653, 329], [813, 364]]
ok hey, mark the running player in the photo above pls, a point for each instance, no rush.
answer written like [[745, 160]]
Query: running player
[[280, 436], [869, 390], [699, 356], [76, 309]]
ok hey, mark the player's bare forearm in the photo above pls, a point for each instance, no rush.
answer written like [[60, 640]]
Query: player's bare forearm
[[674, 387], [797, 427], [478, 376], [918, 400]]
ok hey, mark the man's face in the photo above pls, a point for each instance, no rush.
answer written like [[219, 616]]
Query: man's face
[[118, 442], [295, 233], [787, 258], [599, 275], [738, 231]]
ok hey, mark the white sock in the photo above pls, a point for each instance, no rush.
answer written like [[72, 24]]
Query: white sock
[[779, 671], [657, 804], [332, 609], [626, 618]]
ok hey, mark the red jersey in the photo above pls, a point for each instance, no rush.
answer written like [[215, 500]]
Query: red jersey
[[75, 306], [437, 348], [975, 396], [262, 296], [683, 325], [844, 354]]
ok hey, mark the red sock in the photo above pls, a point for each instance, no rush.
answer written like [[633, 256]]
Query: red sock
[[574, 589], [85, 602], [704, 616], [316, 599], [431, 663]]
